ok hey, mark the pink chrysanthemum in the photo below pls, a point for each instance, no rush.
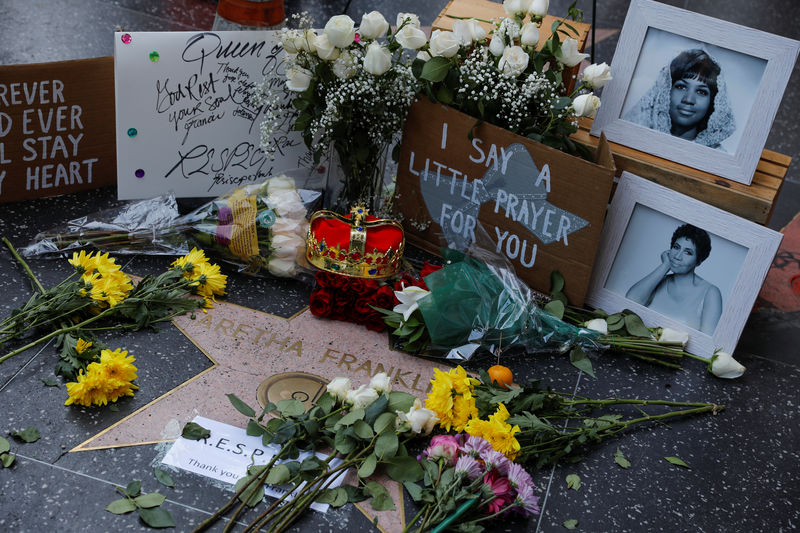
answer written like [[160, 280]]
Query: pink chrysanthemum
[[476, 446], [468, 466], [518, 476], [497, 461], [526, 501]]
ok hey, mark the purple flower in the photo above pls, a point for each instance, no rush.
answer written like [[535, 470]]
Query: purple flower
[[468, 466], [526, 501], [476, 447], [496, 461], [519, 477]]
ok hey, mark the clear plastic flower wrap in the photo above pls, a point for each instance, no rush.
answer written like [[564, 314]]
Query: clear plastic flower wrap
[[259, 227]]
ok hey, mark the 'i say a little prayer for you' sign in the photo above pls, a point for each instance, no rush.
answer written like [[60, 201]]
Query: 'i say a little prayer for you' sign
[[542, 209], [186, 123]]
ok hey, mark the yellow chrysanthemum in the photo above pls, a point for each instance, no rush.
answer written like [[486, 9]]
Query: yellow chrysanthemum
[[191, 260], [90, 389], [497, 431], [211, 282], [110, 290], [117, 365], [451, 398], [124, 389], [82, 261], [81, 346]]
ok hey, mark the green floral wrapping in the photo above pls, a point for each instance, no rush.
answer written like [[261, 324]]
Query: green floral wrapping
[[472, 303]]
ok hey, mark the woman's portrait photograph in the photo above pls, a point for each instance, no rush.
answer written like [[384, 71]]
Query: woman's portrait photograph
[[692, 90], [675, 269]]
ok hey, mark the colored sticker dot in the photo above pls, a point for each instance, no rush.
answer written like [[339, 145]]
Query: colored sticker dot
[[154, 56], [139, 173], [126, 38], [132, 132]]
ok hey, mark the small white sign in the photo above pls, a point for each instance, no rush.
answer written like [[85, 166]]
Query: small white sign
[[185, 122], [226, 454]]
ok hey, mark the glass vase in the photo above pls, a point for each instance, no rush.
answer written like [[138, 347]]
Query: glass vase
[[357, 177]]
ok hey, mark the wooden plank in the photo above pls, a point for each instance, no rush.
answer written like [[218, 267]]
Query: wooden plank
[[754, 202], [56, 128]]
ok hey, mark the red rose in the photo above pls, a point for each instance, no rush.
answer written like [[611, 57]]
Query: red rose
[[330, 280], [404, 281], [384, 298], [321, 302], [427, 268], [362, 310], [363, 286], [342, 300], [375, 321]]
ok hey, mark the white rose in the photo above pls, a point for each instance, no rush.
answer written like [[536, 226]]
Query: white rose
[[378, 59], [468, 31], [496, 45], [345, 66], [673, 335], [443, 43], [306, 41], [325, 49], [381, 382], [597, 324], [409, 297], [282, 268], [339, 388], [419, 419], [516, 7], [538, 8], [281, 183], [586, 105], [514, 61], [286, 246], [288, 39], [341, 31], [287, 204], [423, 55], [361, 397], [410, 19], [723, 365], [298, 79], [287, 226], [411, 37], [530, 34], [569, 53], [373, 25], [595, 76]]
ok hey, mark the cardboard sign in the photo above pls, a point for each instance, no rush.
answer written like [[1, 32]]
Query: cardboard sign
[[185, 120], [56, 128], [542, 209]]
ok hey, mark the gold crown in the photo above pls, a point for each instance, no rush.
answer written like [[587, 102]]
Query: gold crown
[[357, 244]]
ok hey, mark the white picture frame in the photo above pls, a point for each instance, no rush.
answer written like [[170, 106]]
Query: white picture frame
[[653, 36], [642, 215]]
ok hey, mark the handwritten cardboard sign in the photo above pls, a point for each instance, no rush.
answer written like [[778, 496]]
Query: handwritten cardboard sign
[[56, 128], [542, 209], [185, 120]]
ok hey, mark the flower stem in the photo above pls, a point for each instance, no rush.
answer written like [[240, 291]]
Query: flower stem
[[24, 265]]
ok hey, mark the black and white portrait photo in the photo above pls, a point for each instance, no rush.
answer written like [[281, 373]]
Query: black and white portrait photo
[[692, 90], [675, 269]]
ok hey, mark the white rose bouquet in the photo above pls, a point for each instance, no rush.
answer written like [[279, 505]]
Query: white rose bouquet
[[353, 92], [507, 77]]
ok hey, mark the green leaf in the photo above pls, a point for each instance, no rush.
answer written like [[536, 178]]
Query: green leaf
[[333, 497], [7, 459], [620, 459], [350, 418], [386, 446], [253, 494], [344, 443], [400, 401], [381, 501], [445, 95], [326, 403], [374, 409], [278, 475], [403, 469], [615, 322], [163, 477], [354, 494], [157, 518], [50, 382], [384, 421], [363, 430], [133, 489], [556, 281], [573, 482], [368, 466], [254, 429], [635, 326], [435, 69], [121, 506], [580, 360], [5, 446], [29, 434], [414, 490], [193, 431], [153, 499], [240, 406], [570, 524], [677, 461], [555, 308], [291, 407]]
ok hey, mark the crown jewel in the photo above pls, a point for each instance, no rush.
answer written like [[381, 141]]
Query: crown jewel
[[357, 244]]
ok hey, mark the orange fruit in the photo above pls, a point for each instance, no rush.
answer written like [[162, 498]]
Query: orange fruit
[[501, 375]]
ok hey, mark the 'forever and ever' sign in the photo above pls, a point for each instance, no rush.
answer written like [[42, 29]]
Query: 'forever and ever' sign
[[542, 209]]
